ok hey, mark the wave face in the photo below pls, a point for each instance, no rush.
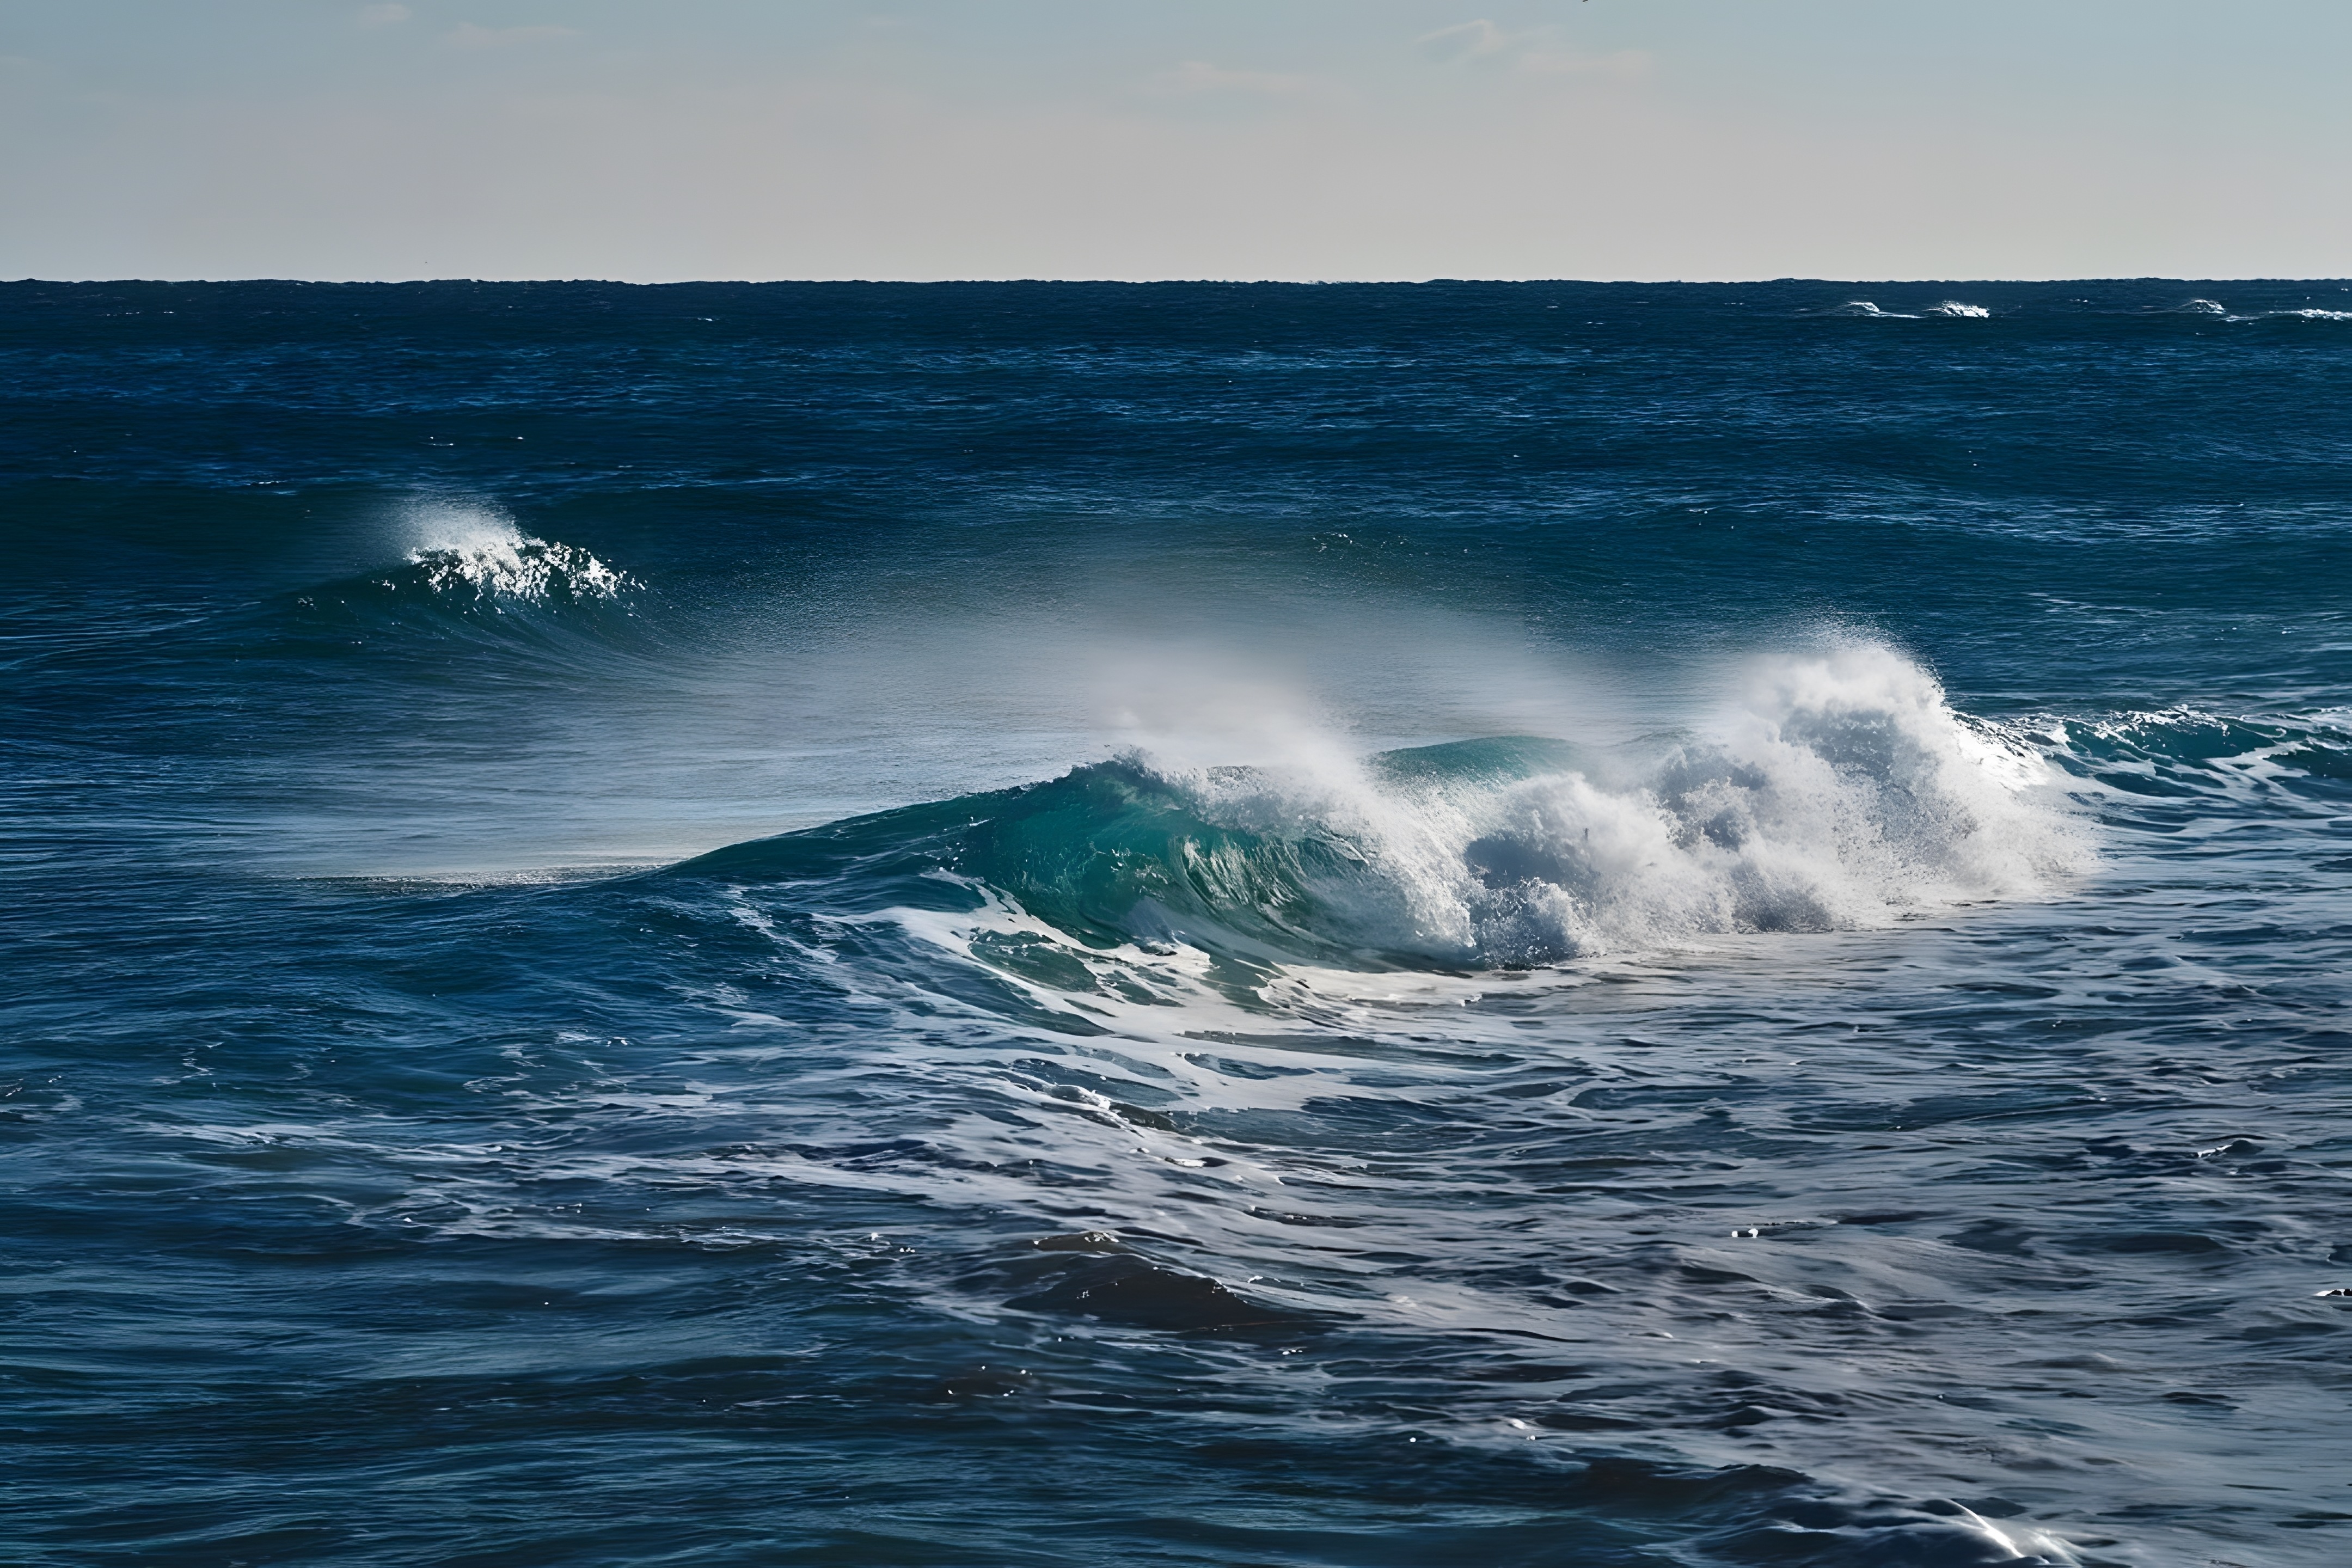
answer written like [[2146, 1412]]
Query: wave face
[[1066, 924]]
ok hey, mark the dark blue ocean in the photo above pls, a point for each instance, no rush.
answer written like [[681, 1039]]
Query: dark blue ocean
[[1057, 924]]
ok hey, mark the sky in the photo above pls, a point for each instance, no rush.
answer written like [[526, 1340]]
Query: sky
[[665, 139]]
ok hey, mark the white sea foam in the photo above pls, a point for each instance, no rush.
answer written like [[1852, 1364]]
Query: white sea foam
[[2306, 313], [1838, 791], [1865, 308], [2313, 314], [1954, 307], [477, 548]]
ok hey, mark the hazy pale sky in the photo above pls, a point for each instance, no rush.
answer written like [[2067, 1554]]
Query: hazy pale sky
[[658, 140]]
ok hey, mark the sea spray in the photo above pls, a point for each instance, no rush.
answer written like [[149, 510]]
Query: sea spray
[[477, 551], [1842, 791]]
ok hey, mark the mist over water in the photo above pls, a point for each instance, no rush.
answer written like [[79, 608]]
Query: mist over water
[[1059, 924]]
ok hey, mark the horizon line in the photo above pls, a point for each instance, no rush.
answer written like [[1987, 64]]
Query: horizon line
[[2342, 280]]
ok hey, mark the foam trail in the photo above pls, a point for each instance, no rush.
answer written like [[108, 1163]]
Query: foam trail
[[2313, 314]]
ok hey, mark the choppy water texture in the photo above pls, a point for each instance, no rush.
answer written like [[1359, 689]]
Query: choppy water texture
[[1184, 924]]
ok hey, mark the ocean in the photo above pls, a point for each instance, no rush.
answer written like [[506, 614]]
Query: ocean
[[1051, 924]]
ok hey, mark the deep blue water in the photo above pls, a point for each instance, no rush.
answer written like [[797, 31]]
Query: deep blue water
[[1068, 924]]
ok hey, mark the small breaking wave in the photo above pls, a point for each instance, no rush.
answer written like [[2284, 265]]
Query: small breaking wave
[[469, 553], [474, 574], [2308, 314], [2216, 309], [1954, 310]]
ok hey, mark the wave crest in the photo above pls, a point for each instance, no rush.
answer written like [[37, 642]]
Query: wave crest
[[516, 566], [477, 576], [2311, 313]]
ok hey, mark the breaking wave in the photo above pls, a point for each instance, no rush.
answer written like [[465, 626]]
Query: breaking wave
[[1840, 792], [506, 564], [482, 582], [2311, 314], [2215, 308], [1950, 309]]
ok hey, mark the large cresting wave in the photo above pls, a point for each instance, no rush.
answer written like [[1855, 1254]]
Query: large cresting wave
[[1840, 791]]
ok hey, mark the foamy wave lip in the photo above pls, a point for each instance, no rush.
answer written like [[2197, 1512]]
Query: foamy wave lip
[[463, 548], [2215, 308], [1955, 308], [1842, 793], [2309, 314], [1864, 308]]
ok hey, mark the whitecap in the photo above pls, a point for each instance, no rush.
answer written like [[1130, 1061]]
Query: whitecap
[[1840, 792], [472, 549]]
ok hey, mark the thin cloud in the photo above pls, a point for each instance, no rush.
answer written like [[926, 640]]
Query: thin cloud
[[468, 37], [1464, 41], [1537, 51], [381, 16]]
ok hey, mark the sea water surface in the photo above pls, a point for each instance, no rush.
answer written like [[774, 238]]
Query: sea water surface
[[1184, 924]]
